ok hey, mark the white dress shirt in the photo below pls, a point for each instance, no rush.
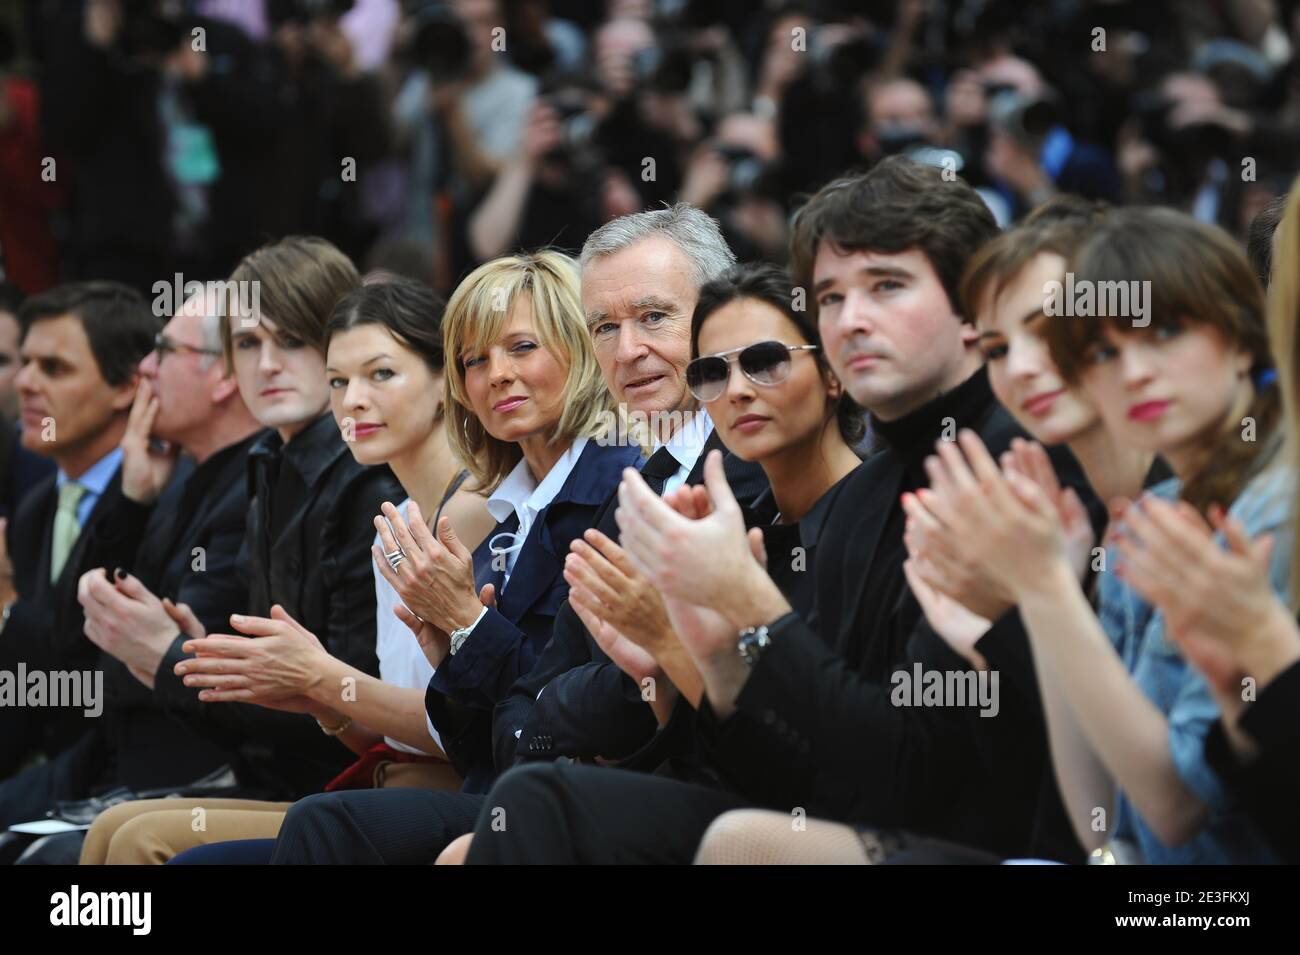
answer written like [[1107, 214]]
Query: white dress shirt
[[401, 661], [519, 494]]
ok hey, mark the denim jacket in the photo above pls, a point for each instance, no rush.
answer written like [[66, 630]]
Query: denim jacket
[[1180, 692]]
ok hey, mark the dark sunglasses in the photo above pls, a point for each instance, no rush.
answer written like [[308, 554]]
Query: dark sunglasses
[[763, 363]]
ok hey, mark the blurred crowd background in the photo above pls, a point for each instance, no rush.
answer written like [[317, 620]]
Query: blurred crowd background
[[139, 138]]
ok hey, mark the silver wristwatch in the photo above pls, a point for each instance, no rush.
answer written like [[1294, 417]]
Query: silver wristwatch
[[461, 634], [752, 642]]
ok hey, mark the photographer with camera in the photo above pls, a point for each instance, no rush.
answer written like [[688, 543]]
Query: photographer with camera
[[1031, 155], [543, 195], [164, 116], [327, 110], [733, 177], [461, 112]]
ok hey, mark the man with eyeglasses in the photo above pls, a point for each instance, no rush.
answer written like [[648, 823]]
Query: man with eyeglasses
[[174, 533]]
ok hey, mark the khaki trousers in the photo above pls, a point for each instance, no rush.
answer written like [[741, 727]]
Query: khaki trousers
[[152, 831]]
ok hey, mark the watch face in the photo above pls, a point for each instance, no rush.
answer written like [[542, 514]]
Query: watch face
[[751, 644]]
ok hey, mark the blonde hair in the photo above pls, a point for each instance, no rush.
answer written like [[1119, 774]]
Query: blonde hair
[[1284, 334], [476, 316]]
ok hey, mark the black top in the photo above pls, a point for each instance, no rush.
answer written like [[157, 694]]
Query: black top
[[675, 750], [1269, 786], [318, 567], [816, 725], [186, 547]]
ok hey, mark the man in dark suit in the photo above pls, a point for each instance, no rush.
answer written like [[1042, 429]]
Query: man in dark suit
[[80, 351], [176, 535], [798, 715], [641, 276], [176, 532]]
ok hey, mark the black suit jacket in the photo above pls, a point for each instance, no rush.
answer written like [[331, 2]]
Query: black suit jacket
[[816, 725], [21, 471], [186, 547], [319, 568], [588, 707], [508, 640], [45, 628]]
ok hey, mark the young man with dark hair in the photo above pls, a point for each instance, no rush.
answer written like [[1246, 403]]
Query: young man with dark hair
[[799, 715], [80, 347]]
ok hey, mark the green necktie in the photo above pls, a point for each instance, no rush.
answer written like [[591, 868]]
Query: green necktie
[[66, 527]]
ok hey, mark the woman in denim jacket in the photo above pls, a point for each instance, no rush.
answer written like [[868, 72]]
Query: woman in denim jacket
[[1182, 373]]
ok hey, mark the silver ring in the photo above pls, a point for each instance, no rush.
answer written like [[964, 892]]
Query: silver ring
[[395, 559]]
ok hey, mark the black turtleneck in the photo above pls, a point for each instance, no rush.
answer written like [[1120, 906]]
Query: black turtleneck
[[857, 608], [816, 724], [913, 436]]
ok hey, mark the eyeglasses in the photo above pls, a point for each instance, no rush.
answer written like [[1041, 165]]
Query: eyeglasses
[[763, 363], [164, 346]]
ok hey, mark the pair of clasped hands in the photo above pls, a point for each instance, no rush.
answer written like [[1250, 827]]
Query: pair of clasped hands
[[983, 539]]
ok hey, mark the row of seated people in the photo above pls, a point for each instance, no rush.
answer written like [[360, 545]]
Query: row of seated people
[[641, 552]]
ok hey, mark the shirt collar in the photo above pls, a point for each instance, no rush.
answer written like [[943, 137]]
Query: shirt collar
[[311, 451], [96, 479], [687, 442], [520, 494]]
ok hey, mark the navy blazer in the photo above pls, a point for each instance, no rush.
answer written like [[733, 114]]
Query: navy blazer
[[509, 638]]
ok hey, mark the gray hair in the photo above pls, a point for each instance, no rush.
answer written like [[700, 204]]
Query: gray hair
[[211, 325], [692, 230], [214, 312]]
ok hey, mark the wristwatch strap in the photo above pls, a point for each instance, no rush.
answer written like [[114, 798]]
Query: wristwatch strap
[[461, 634]]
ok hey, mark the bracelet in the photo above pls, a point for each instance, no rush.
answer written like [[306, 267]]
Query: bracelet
[[341, 728]]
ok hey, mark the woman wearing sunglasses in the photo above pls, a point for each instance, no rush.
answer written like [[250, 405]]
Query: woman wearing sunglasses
[[761, 375]]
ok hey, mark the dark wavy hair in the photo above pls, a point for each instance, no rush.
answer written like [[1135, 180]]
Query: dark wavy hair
[[410, 310], [898, 205], [771, 285], [117, 321]]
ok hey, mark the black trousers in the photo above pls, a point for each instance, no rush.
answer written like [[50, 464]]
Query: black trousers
[[374, 827], [544, 813]]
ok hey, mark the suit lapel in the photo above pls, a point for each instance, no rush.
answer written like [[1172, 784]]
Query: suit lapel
[[697, 472], [535, 571], [45, 548], [569, 513], [875, 512]]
